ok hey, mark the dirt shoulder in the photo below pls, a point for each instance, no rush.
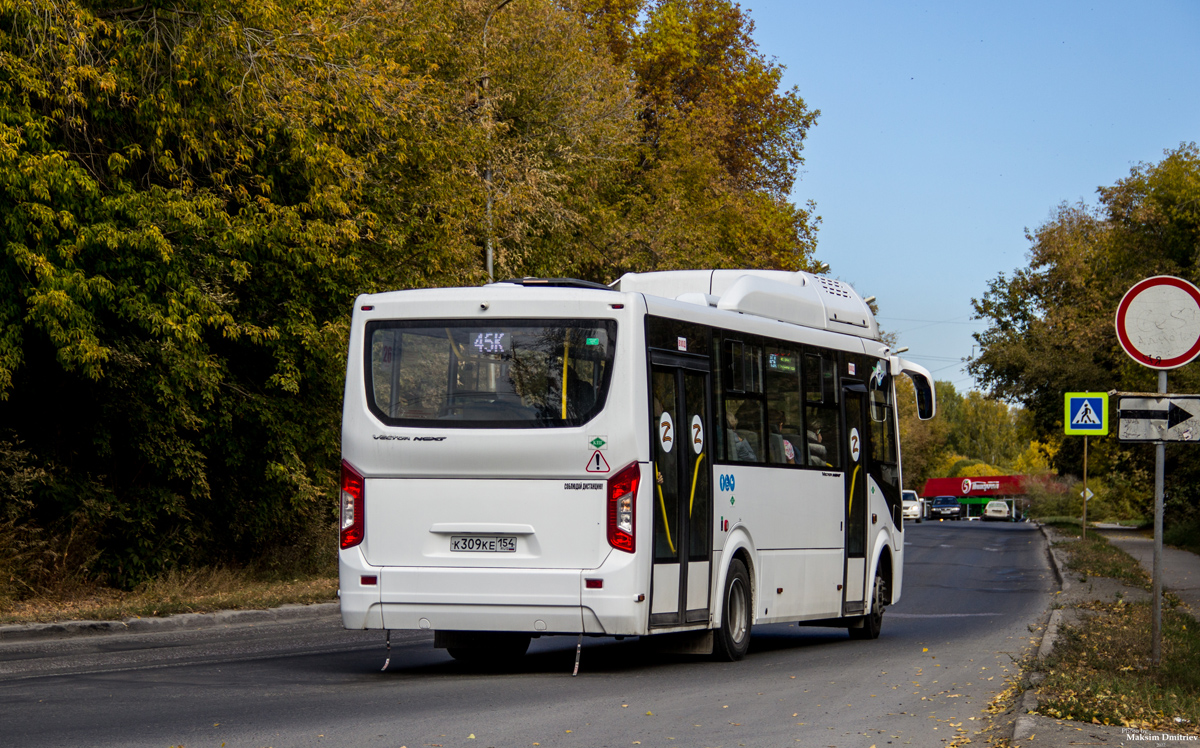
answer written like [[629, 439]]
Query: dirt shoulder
[[203, 591], [1092, 681]]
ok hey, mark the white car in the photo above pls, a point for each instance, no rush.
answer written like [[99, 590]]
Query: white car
[[996, 510], [914, 506]]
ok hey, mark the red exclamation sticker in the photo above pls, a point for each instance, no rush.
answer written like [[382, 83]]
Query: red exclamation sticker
[[597, 463]]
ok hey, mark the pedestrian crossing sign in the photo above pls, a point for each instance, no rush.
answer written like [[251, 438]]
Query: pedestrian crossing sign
[[1086, 413]]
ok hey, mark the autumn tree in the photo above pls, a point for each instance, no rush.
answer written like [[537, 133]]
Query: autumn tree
[[718, 151], [184, 192], [1050, 324], [194, 192]]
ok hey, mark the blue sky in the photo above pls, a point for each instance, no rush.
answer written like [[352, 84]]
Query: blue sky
[[947, 129]]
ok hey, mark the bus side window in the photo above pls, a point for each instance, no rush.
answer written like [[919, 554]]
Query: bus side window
[[743, 432], [741, 386], [735, 373], [785, 445], [821, 434], [821, 416], [884, 455]]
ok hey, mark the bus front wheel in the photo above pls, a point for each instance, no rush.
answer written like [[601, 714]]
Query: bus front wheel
[[737, 616]]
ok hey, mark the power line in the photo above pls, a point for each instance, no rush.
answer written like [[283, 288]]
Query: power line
[[937, 358], [951, 321]]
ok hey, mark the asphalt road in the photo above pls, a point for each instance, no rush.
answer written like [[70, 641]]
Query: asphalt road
[[971, 593]]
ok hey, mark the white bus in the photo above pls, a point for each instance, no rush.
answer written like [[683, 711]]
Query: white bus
[[690, 452]]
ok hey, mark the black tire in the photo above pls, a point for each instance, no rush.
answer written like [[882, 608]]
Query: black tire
[[491, 648], [732, 640], [873, 621]]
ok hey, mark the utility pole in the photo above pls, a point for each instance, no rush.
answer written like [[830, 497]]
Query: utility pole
[[1160, 461], [484, 80]]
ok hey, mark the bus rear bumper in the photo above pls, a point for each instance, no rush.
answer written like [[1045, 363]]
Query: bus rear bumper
[[536, 601], [532, 619]]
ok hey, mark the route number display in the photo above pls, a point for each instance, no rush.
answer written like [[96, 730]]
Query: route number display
[[491, 342]]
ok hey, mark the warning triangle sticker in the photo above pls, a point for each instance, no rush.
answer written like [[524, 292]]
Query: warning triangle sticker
[[597, 463], [1085, 416]]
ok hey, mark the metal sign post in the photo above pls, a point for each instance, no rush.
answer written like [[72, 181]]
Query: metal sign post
[[1160, 462], [1158, 325], [1086, 496]]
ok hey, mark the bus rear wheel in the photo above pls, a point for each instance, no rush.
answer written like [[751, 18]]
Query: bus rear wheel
[[490, 648], [873, 621], [732, 640]]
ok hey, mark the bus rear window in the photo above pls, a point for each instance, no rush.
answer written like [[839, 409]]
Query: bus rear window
[[502, 374]]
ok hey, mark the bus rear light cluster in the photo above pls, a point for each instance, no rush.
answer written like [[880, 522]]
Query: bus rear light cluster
[[622, 501], [353, 520]]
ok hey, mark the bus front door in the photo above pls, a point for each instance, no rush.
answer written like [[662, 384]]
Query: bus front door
[[855, 400], [682, 502]]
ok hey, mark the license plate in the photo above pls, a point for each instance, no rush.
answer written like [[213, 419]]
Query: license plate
[[483, 543]]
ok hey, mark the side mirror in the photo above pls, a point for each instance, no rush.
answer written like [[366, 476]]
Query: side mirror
[[923, 385], [925, 397]]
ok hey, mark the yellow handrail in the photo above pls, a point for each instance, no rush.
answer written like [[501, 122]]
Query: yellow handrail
[[566, 349], [662, 503], [853, 479], [695, 475]]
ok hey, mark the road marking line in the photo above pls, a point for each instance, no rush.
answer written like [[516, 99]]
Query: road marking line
[[942, 615]]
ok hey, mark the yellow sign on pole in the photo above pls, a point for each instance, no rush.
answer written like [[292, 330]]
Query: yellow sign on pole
[[1086, 413]]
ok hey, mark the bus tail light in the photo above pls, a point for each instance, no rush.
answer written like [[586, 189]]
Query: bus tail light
[[353, 520], [622, 500]]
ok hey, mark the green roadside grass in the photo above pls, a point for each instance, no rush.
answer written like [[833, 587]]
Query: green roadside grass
[[1101, 670], [1185, 535], [196, 591], [1096, 557]]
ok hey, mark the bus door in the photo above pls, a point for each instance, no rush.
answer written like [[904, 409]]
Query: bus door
[[682, 501], [857, 456]]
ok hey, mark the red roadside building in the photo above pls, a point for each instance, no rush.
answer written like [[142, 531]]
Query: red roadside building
[[975, 493]]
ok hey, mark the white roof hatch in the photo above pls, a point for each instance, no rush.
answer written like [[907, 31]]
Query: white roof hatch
[[799, 298]]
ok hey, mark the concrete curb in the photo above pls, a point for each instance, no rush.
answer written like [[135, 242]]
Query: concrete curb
[[1048, 638], [65, 629], [1024, 726], [1056, 562]]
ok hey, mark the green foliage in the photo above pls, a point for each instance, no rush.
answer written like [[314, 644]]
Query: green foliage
[[193, 194], [922, 442], [1096, 557], [971, 436], [1050, 325], [1184, 534], [717, 154]]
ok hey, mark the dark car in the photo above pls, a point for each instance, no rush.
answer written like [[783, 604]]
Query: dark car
[[945, 507]]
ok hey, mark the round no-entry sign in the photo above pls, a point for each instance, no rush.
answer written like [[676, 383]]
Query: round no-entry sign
[[1158, 322]]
